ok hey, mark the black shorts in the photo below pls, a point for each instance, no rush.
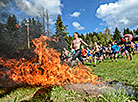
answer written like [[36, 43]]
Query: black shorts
[[96, 54], [129, 50], [84, 56], [123, 50], [115, 53], [100, 54], [110, 53], [77, 55]]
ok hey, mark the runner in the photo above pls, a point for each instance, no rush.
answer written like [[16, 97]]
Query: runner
[[96, 52], [84, 53], [101, 53], [136, 46], [115, 50], [76, 46], [128, 45], [65, 55], [110, 52], [89, 56], [122, 49], [133, 48]]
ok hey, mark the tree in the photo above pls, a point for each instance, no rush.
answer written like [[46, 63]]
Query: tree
[[61, 30], [107, 36], [45, 20], [116, 35], [127, 31], [11, 22], [135, 31]]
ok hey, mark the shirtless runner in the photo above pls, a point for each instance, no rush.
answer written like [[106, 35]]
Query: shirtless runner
[[76, 46]]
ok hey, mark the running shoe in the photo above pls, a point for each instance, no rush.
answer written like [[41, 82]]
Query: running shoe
[[127, 58]]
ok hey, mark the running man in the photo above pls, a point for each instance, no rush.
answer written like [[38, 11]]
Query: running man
[[115, 50], [109, 51], [136, 46], [128, 45], [96, 52], [84, 53], [101, 53], [76, 46]]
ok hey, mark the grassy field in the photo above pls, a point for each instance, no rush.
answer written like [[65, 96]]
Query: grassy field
[[123, 70]]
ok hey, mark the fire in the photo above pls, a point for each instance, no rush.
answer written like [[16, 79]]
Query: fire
[[50, 71]]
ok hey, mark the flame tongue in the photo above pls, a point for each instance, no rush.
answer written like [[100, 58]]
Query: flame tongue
[[50, 71]]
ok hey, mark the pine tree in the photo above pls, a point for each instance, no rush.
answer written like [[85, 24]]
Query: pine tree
[[61, 30], [127, 31], [11, 22], [116, 35]]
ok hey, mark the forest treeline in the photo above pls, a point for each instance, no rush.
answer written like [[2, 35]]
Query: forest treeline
[[13, 34]]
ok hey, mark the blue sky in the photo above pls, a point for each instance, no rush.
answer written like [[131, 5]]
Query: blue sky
[[87, 18], [81, 15]]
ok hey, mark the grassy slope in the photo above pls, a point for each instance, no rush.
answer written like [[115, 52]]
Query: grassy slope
[[123, 70]]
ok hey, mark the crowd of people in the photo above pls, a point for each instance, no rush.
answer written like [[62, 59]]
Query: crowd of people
[[99, 52]]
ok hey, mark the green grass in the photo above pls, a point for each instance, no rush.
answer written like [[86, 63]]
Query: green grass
[[123, 70], [17, 94]]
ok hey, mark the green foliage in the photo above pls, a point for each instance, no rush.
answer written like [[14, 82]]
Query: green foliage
[[90, 38], [11, 22], [116, 35], [60, 28], [135, 31], [13, 39], [127, 31]]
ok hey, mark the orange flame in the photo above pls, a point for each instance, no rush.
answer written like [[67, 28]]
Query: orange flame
[[50, 71]]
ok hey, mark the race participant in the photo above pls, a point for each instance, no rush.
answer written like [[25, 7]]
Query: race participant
[[101, 53], [128, 45], [84, 53], [65, 55], [122, 49], [109, 51], [76, 46], [89, 56], [115, 50], [105, 54], [96, 52], [136, 46], [133, 48]]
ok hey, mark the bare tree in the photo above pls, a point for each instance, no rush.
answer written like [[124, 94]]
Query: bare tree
[[45, 19]]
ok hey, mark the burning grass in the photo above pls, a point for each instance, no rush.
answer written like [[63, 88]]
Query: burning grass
[[50, 71]]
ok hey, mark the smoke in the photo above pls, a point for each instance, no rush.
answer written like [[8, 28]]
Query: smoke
[[32, 7]]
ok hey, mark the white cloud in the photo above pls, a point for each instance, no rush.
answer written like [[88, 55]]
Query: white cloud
[[32, 7], [2, 4], [77, 26], [123, 13], [96, 29], [75, 14], [82, 9]]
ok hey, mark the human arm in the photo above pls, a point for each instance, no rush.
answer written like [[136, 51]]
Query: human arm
[[71, 46], [84, 43]]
